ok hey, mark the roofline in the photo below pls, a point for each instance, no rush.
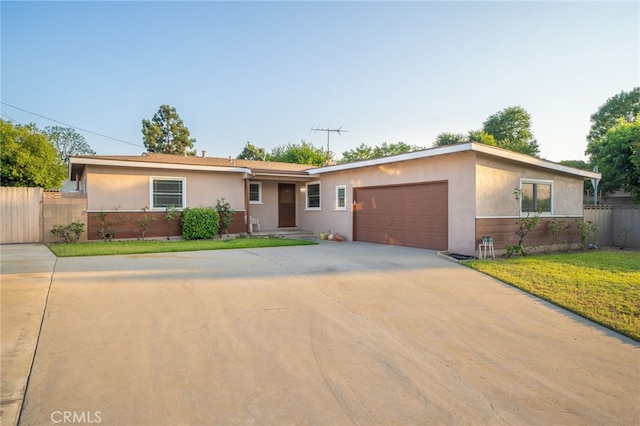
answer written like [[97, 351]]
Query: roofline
[[452, 149], [153, 165]]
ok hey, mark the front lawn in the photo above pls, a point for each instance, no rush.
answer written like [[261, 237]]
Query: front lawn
[[603, 286], [154, 246]]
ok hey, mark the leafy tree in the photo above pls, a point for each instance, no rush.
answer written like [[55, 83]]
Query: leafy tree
[[623, 105], [251, 152], [28, 158], [447, 138], [302, 153], [364, 152], [68, 142], [166, 133], [511, 128], [617, 156], [482, 137]]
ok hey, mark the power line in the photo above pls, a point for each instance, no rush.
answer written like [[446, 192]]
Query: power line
[[71, 125]]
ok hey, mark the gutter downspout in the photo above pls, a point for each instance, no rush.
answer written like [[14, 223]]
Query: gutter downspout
[[247, 208]]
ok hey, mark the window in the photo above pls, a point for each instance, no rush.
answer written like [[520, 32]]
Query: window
[[167, 192], [255, 192], [341, 197], [536, 196], [313, 196]]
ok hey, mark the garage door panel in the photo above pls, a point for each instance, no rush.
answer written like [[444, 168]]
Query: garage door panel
[[408, 215]]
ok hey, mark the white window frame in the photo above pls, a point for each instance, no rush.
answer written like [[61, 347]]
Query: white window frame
[[338, 206], [538, 182], [184, 191], [259, 201], [306, 197]]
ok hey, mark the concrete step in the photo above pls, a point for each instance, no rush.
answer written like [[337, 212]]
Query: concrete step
[[285, 233]]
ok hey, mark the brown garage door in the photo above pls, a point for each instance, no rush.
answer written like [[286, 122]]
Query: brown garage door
[[405, 215]]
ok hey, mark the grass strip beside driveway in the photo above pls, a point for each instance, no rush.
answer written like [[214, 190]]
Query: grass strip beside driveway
[[601, 286], [154, 246]]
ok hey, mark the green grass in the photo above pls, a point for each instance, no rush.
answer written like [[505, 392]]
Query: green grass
[[154, 246], [601, 286]]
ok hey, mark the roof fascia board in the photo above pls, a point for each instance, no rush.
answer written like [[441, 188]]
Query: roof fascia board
[[442, 150], [149, 165], [452, 149], [533, 161]]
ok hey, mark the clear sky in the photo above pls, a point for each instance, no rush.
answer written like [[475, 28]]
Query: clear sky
[[267, 72]]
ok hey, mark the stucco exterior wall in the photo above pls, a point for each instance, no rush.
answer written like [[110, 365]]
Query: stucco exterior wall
[[267, 211], [129, 188], [497, 179], [458, 169]]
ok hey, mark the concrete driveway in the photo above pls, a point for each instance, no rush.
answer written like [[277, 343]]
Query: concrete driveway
[[331, 334]]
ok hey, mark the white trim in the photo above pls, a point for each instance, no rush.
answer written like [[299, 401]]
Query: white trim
[[135, 211], [336, 206], [259, 201], [520, 217], [551, 195], [306, 196], [184, 191], [150, 165], [465, 147]]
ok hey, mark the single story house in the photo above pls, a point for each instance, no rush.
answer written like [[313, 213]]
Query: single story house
[[443, 198]]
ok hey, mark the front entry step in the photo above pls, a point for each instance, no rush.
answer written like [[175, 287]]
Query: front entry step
[[285, 233]]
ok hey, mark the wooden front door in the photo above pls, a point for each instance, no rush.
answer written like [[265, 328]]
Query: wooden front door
[[286, 205]]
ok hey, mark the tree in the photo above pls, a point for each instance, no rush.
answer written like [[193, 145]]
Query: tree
[[617, 156], [251, 152], [447, 138], [364, 152], [166, 133], [511, 128], [482, 137], [68, 142], [303, 153], [623, 105], [28, 158]]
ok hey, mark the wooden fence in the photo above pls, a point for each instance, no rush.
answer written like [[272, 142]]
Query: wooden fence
[[21, 215]]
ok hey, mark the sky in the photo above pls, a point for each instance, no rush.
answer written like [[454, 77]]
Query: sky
[[269, 72]]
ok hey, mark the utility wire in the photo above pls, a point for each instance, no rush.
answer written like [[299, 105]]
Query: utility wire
[[71, 125]]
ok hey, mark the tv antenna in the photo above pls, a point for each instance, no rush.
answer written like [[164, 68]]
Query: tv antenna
[[329, 131]]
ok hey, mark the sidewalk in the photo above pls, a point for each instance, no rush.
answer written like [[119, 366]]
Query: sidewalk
[[24, 284]]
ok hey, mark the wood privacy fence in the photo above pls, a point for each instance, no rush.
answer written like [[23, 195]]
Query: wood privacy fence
[[619, 225], [27, 215], [21, 215]]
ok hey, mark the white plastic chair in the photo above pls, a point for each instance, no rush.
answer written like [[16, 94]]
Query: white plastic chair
[[485, 248], [252, 222]]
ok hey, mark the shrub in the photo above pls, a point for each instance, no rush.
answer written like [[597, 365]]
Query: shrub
[[200, 223], [588, 232], [226, 215], [68, 233], [144, 222]]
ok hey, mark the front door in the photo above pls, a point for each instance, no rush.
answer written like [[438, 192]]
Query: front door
[[286, 205]]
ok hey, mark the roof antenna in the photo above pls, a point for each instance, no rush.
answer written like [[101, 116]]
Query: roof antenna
[[339, 131]]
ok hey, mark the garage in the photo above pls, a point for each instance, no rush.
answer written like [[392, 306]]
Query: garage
[[413, 215]]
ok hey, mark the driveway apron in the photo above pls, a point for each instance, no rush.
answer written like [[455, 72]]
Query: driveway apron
[[332, 334]]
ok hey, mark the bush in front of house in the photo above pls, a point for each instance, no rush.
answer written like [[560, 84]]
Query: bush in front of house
[[200, 223], [68, 233]]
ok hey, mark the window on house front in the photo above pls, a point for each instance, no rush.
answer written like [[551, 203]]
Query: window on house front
[[167, 192], [536, 196], [255, 192], [313, 196], [341, 197]]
